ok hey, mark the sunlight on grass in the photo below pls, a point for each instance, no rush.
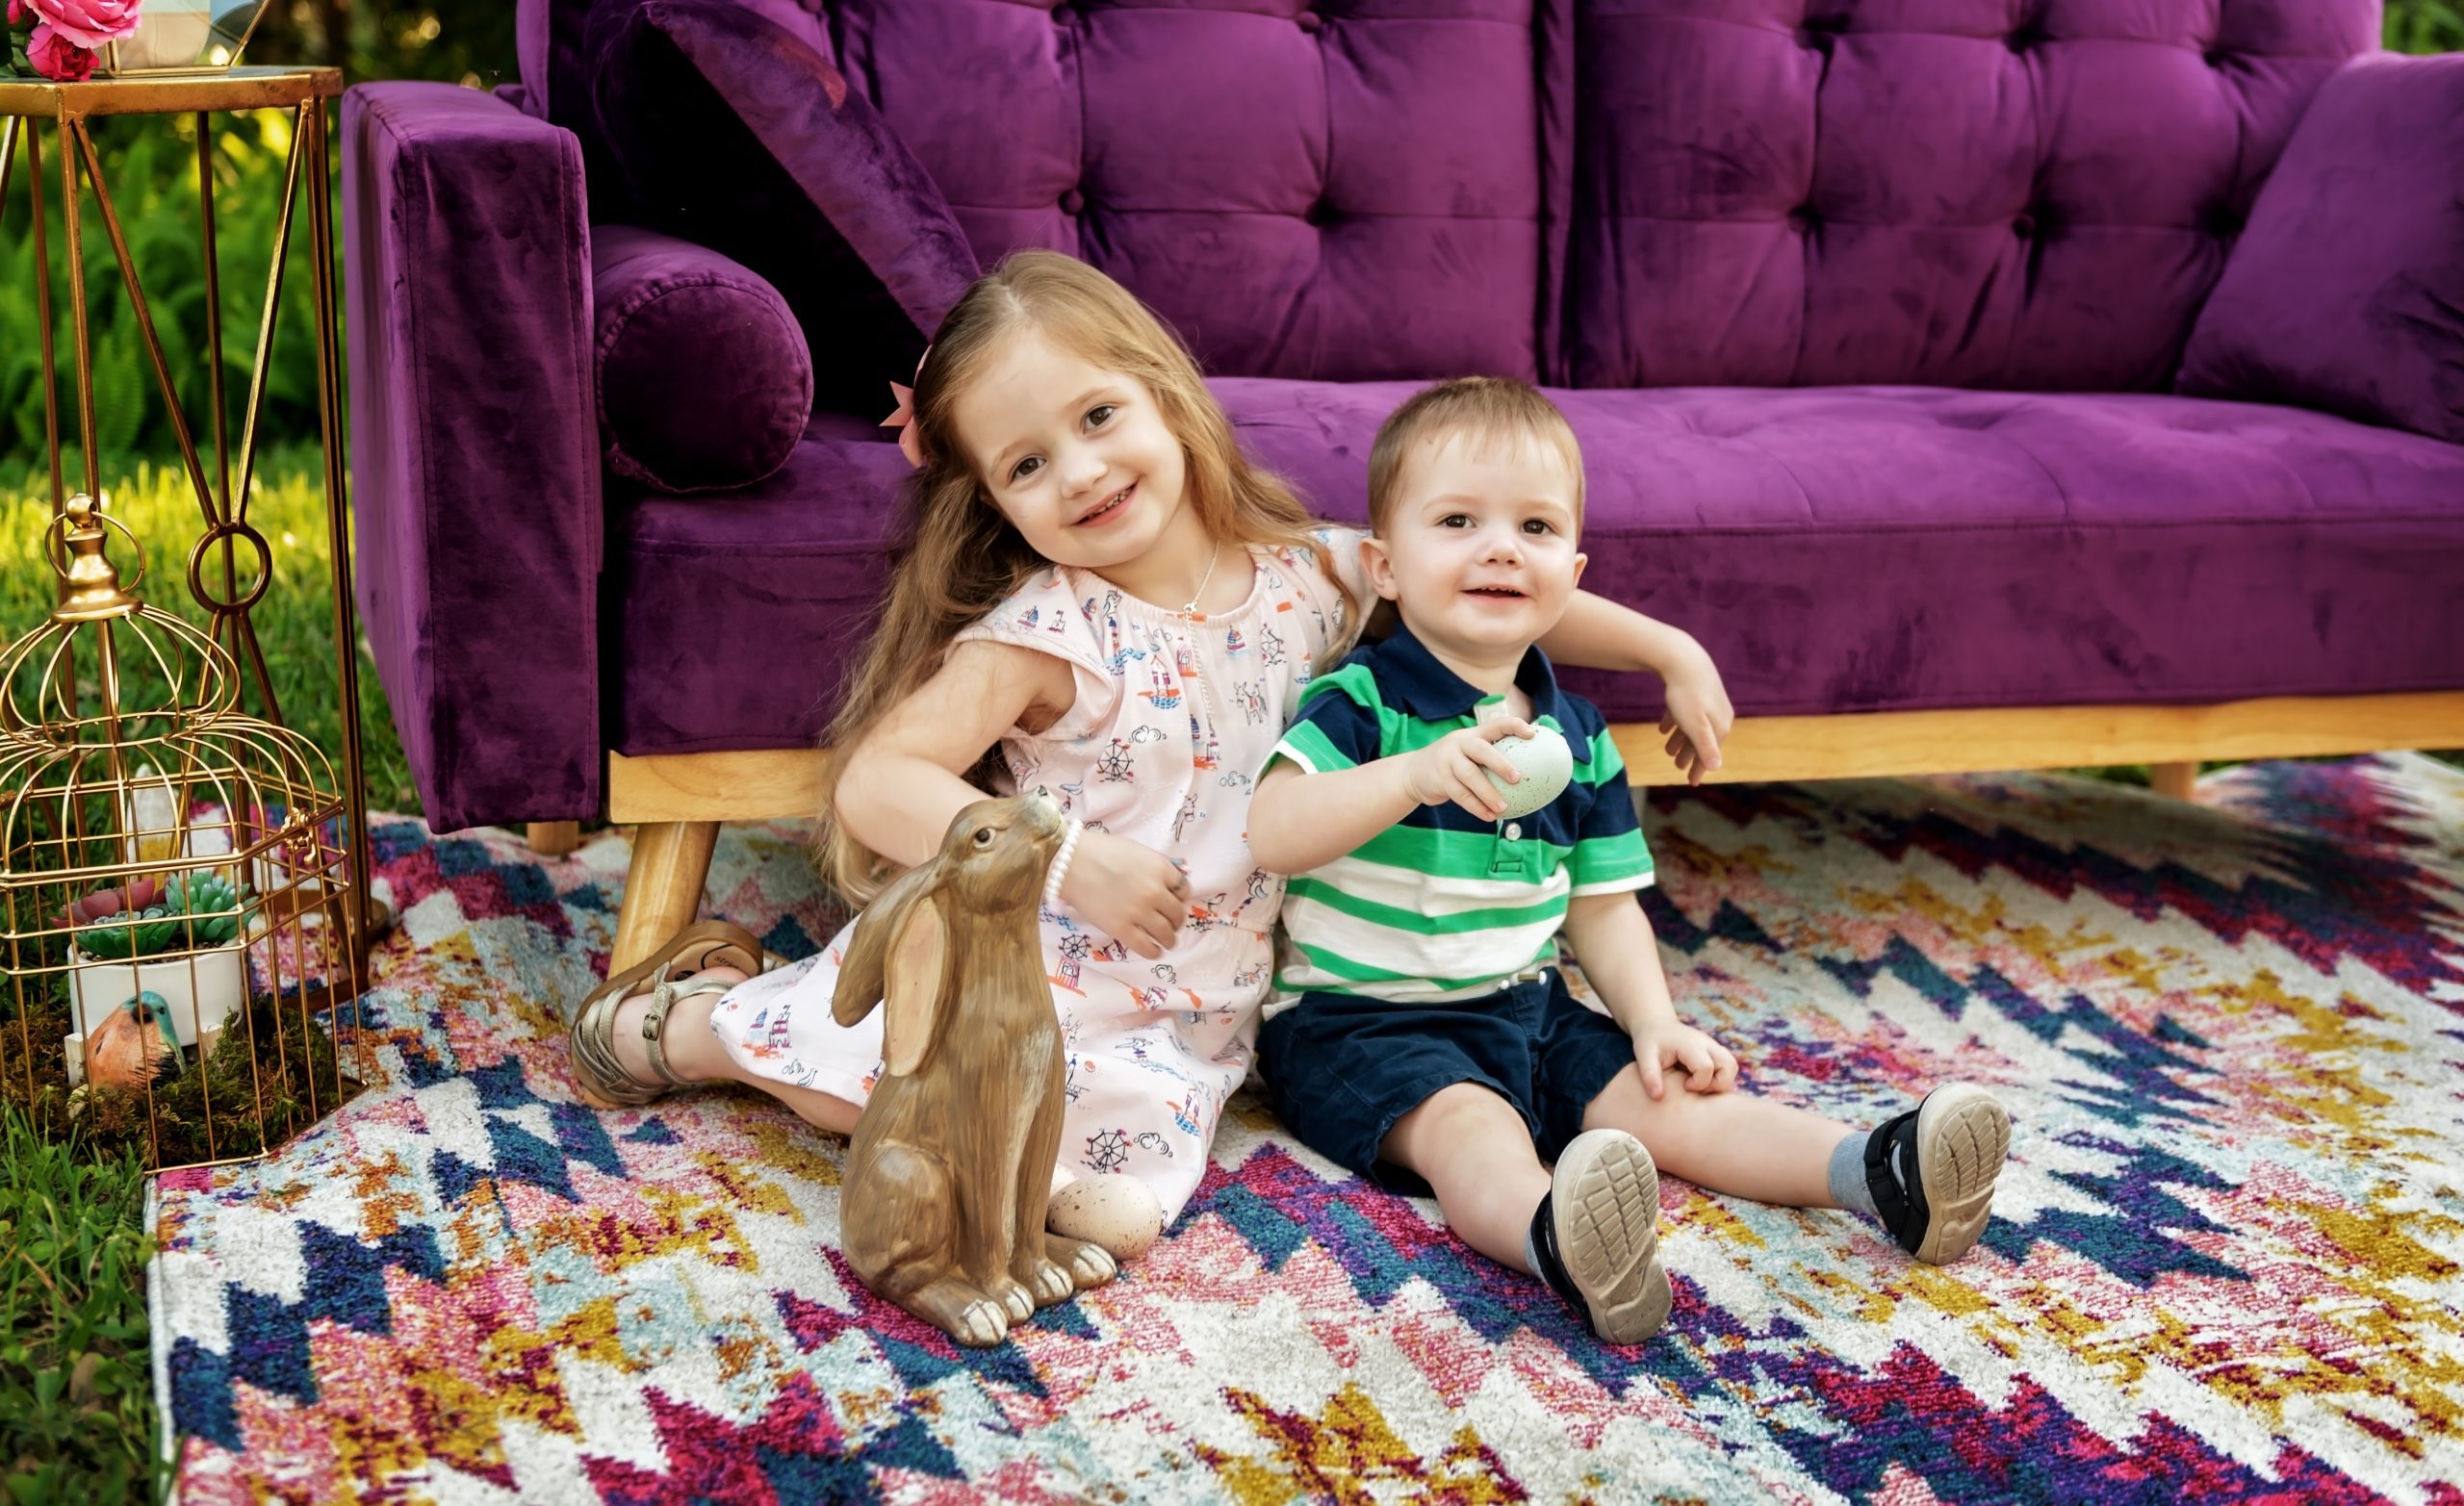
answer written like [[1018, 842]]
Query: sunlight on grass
[[295, 621]]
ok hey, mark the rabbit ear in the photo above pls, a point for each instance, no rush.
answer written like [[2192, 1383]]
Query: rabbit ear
[[862, 975], [915, 989]]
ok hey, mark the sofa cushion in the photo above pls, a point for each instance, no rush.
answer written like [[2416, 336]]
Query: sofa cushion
[[674, 319], [734, 132], [550, 49], [2347, 291], [1844, 549], [2011, 194], [1341, 190]]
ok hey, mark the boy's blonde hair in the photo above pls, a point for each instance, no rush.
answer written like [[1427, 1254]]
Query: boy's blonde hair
[[956, 556], [1480, 410]]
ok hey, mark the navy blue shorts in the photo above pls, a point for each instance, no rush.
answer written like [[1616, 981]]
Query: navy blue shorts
[[1342, 1069]]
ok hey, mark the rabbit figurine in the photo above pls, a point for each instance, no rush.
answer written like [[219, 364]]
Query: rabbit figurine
[[952, 1162]]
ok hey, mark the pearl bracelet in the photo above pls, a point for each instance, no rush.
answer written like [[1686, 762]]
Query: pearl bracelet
[[1061, 867]]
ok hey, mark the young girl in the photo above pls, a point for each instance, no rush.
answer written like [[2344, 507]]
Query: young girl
[[1103, 591]]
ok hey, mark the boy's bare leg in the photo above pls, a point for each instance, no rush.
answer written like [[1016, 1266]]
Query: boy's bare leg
[[1752, 1147], [1472, 1147], [1731, 1142], [1594, 1239]]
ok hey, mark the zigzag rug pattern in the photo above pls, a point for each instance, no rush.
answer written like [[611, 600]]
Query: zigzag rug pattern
[[2227, 1262]]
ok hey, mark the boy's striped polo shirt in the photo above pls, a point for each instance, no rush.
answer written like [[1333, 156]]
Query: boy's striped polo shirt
[[1444, 906]]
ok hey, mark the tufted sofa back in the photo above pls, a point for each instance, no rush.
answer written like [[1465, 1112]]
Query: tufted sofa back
[[2013, 193], [1333, 189]]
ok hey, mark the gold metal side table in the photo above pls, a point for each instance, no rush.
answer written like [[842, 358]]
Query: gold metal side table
[[31, 108]]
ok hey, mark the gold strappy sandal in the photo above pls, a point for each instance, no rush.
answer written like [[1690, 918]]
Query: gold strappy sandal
[[599, 1074]]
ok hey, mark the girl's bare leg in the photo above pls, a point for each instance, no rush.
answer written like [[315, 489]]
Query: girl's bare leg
[[695, 1054]]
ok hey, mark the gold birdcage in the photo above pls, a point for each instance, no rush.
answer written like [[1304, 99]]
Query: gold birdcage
[[174, 880]]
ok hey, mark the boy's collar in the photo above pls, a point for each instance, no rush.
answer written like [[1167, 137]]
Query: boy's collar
[[1434, 693]]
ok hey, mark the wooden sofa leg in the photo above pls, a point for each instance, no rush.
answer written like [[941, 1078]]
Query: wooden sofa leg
[[663, 885], [2176, 780], [555, 838]]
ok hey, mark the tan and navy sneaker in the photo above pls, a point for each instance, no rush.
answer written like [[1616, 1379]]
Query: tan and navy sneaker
[[1595, 1237], [1955, 1144]]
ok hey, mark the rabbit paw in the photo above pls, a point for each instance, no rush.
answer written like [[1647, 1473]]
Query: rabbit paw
[[1049, 1284], [1089, 1265], [1014, 1296], [960, 1310], [981, 1324]]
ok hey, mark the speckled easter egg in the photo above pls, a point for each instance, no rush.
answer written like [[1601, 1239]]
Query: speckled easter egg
[[1119, 1213], [1545, 762]]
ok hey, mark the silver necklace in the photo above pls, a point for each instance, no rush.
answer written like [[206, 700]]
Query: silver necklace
[[1190, 610]]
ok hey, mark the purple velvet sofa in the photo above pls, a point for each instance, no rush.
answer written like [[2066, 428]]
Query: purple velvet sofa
[[2090, 368]]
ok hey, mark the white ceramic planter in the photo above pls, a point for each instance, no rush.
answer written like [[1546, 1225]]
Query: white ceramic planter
[[202, 988]]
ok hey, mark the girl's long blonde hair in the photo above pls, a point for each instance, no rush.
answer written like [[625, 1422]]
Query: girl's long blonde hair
[[958, 557]]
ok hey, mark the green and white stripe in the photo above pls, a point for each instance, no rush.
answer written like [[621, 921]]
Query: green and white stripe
[[1358, 925], [1421, 913]]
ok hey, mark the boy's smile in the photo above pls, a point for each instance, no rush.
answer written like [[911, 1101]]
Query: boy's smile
[[1478, 550]]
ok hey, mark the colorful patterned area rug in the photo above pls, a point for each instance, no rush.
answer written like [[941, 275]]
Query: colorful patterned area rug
[[2225, 1266]]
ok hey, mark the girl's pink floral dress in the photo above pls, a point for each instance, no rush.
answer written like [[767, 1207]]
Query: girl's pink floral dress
[[1173, 719]]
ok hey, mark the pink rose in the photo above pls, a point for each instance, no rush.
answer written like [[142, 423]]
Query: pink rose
[[56, 58], [89, 23]]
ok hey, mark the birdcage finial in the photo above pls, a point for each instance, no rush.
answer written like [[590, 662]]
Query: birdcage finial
[[93, 588]]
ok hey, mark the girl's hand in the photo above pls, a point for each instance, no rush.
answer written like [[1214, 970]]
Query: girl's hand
[[1698, 718], [1710, 1067], [1130, 892], [1450, 768]]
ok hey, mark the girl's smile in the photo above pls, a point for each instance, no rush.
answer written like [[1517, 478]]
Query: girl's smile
[[1084, 463], [1110, 510]]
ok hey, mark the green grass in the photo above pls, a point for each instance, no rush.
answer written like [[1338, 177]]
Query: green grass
[[76, 1380], [2425, 25], [77, 1415]]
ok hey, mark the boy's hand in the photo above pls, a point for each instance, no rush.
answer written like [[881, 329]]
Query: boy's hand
[[1710, 1067], [1698, 718], [1450, 768], [1130, 892]]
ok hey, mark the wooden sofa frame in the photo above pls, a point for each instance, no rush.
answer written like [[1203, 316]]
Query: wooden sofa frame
[[678, 802]]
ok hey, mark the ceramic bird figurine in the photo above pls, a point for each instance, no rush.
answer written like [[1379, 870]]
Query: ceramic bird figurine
[[133, 1045]]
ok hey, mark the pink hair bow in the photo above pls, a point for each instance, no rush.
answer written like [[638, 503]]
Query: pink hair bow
[[904, 420]]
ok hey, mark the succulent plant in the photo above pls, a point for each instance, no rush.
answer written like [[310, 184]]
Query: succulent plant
[[196, 909]]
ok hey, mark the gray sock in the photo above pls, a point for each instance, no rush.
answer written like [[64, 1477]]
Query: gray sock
[[1847, 1175]]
